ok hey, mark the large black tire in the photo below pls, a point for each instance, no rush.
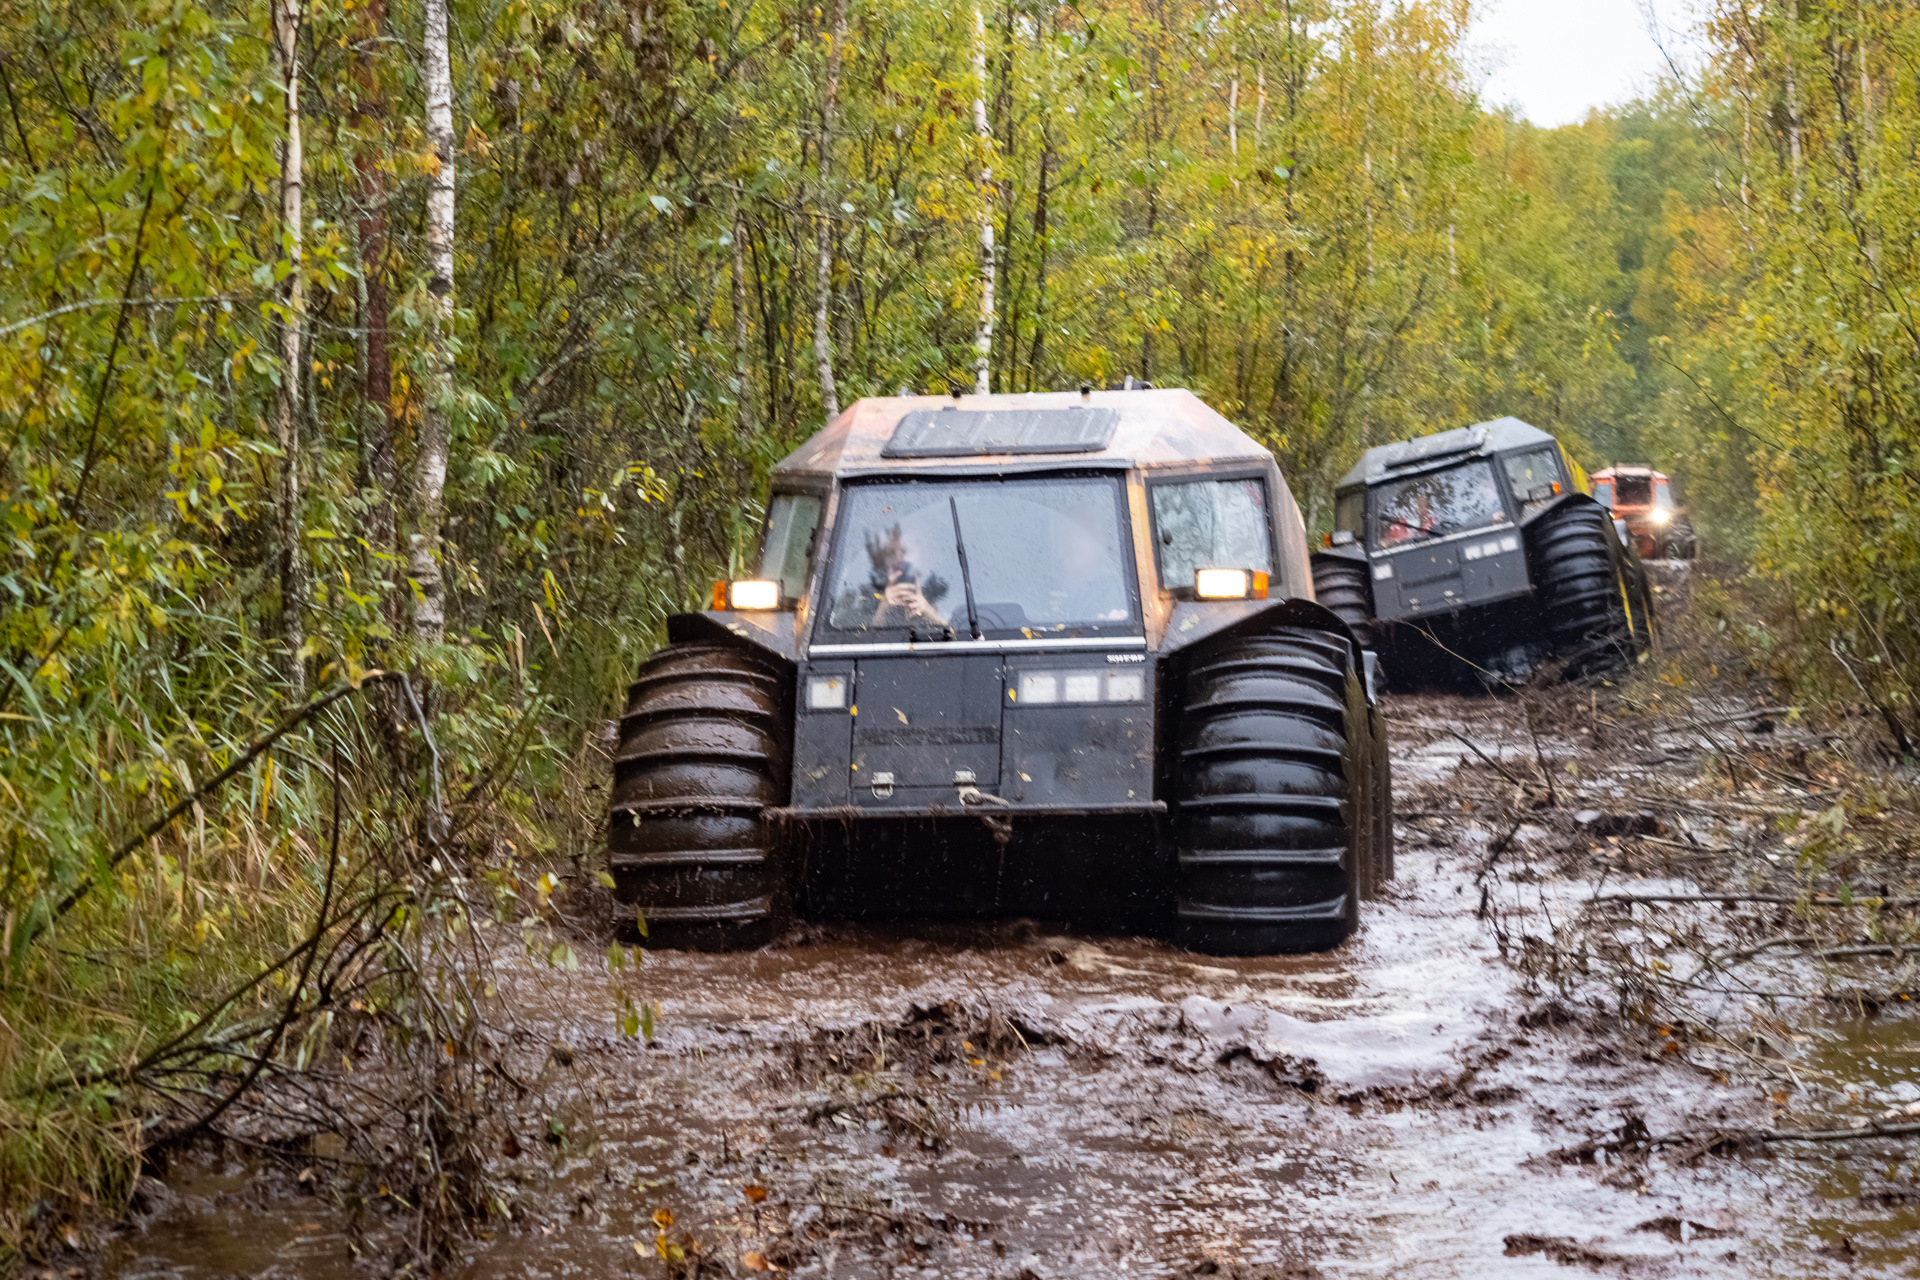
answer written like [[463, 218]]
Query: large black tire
[[1682, 542], [1266, 859], [1575, 566], [1342, 586], [704, 751]]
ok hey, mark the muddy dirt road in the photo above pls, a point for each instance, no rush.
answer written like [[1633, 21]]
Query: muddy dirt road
[[1011, 1101]]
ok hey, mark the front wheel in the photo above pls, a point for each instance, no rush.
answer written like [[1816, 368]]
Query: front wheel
[[1583, 591], [703, 753], [1278, 803]]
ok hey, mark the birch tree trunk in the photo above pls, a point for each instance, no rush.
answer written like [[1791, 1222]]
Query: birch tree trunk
[[743, 393], [983, 139], [376, 360], [1233, 110], [823, 244], [1260, 105], [286, 415], [1793, 106], [430, 464]]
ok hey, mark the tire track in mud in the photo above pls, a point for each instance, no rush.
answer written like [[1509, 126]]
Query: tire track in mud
[[1005, 1101]]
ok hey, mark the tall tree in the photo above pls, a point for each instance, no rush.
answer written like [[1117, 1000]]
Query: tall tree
[[983, 143], [828, 215], [376, 356], [430, 460], [286, 419]]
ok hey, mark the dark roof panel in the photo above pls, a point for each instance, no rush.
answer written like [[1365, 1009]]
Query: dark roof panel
[[960, 433], [1166, 428], [1442, 448]]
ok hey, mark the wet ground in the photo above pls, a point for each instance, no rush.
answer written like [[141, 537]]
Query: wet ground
[[1017, 1101]]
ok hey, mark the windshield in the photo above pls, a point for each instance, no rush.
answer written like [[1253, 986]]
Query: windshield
[[1042, 553], [1633, 491], [1436, 504]]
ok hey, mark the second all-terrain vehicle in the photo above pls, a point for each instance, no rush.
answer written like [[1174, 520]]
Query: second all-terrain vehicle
[[1645, 500], [1481, 554], [1048, 655]]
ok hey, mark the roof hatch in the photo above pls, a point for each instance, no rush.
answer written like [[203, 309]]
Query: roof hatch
[[958, 433]]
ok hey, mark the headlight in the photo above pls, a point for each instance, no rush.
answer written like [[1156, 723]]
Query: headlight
[[1660, 517], [1042, 687], [1229, 584]]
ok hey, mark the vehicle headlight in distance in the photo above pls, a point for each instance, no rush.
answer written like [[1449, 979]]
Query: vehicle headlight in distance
[[826, 693], [1660, 517], [1079, 686], [749, 593], [1229, 584]]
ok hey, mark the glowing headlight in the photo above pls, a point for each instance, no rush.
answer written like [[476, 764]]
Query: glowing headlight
[[1660, 517], [753, 594], [1044, 687], [1229, 584], [827, 693]]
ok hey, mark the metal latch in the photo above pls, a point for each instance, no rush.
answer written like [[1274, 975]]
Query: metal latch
[[882, 786], [963, 777]]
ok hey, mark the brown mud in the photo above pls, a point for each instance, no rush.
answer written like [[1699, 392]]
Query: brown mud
[[1013, 1100]]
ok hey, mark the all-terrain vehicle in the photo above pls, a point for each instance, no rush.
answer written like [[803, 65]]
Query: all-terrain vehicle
[[1047, 655], [1645, 500], [1481, 553]]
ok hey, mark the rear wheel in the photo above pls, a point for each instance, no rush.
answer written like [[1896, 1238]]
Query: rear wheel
[[1266, 818], [703, 753], [1341, 585], [1581, 589]]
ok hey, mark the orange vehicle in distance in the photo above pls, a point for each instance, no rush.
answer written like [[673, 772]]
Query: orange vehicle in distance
[[1644, 500]]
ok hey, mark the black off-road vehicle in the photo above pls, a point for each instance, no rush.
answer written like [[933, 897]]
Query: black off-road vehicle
[[1050, 655], [1481, 553]]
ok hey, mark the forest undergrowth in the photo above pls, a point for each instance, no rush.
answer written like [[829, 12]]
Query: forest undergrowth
[[1713, 862]]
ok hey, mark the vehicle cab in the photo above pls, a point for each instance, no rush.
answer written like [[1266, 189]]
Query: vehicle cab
[[1439, 520], [979, 591]]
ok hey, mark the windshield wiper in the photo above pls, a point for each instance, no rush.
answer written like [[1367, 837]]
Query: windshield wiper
[[966, 578], [1413, 528]]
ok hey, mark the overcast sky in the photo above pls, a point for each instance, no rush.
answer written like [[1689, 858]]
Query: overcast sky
[[1554, 60]]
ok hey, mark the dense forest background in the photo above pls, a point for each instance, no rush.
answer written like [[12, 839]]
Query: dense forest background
[[455, 339]]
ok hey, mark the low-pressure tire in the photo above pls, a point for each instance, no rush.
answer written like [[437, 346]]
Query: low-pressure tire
[[1265, 856], [1581, 590], [703, 753], [1682, 542], [1342, 586]]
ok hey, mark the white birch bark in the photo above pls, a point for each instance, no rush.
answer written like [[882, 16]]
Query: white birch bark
[[1793, 105], [743, 392], [286, 414], [983, 139], [430, 462], [1233, 111], [823, 279], [1259, 106]]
